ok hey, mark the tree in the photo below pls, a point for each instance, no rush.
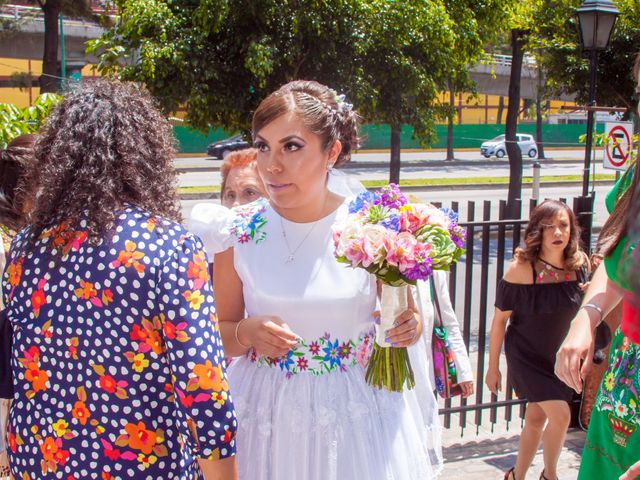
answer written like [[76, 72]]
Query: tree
[[567, 68], [401, 69], [518, 40], [52, 10], [483, 18], [219, 59]]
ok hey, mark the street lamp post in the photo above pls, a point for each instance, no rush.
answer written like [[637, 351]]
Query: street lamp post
[[597, 19]]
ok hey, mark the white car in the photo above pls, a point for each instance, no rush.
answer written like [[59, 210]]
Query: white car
[[496, 146]]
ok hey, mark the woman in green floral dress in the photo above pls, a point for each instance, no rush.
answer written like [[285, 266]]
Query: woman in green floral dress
[[613, 440]]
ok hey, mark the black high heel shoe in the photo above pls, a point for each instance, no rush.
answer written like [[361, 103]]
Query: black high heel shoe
[[542, 477], [510, 475]]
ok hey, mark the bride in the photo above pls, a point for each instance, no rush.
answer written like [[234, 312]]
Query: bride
[[302, 323]]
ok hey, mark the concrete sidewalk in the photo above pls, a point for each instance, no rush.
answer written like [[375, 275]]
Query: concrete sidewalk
[[487, 455]]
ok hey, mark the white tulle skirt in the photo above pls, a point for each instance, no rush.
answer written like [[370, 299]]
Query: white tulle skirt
[[331, 426]]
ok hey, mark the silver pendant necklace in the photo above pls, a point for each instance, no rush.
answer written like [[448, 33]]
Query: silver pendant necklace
[[292, 253]]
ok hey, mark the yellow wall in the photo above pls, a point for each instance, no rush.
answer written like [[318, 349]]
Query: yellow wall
[[8, 66]]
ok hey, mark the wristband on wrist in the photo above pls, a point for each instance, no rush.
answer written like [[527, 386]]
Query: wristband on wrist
[[595, 307], [236, 335]]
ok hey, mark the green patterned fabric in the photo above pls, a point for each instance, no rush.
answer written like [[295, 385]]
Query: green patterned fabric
[[613, 440], [613, 262]]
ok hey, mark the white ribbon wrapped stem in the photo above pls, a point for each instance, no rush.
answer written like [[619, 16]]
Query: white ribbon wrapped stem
[[393, 301]]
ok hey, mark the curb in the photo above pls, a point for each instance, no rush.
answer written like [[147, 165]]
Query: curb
[[355, 164], [428, 188]]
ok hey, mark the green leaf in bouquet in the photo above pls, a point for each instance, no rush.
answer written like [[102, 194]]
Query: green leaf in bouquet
[[377, 213]]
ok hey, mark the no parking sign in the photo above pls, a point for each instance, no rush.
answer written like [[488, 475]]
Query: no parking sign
[[617, 151]]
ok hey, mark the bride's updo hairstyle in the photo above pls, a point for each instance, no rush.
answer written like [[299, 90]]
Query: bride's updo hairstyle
[[320, 109]]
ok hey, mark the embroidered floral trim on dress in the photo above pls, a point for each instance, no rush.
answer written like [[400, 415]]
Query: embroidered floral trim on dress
[[249, 221], [618, 394], [324, 355]]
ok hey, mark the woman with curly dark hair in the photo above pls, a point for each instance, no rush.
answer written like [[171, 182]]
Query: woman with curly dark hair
[[117, 360], [539, 295]]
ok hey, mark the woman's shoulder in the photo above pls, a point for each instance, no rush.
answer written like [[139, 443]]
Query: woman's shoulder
[[152, 234], [519, 272]]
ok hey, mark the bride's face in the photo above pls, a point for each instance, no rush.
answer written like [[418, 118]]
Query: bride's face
[[292, 163]]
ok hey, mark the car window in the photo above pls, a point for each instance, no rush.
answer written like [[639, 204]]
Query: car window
[[499, 138]]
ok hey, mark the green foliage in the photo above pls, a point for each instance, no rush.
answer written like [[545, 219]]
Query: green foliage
[[220, 58], [16, 121], [567, 68]]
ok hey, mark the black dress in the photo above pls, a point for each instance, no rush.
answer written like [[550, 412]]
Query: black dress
[[541, 313]]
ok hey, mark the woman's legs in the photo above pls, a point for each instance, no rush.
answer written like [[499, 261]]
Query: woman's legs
[[559, 415], [530, 437]]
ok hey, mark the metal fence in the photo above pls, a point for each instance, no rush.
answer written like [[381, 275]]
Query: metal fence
[[490, 246]]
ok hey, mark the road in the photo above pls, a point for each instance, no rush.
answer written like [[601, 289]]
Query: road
[[473, 166]]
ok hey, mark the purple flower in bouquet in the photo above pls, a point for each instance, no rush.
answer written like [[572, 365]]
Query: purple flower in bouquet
[[362, 200], [423, 262], [392, 197], [458, 236]]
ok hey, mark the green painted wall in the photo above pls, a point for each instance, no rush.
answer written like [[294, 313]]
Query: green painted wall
[[377, 136]]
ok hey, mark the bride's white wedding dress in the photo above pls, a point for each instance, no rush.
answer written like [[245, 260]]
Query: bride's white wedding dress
[[310, 415]]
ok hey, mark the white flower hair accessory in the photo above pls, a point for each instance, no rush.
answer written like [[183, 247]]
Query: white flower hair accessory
[[340, 100]]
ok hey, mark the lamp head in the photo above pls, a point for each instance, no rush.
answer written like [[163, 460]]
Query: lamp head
[[597, 19]]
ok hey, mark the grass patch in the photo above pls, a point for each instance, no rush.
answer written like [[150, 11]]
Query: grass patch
[[421, 182], [425, 182], [200, 189]]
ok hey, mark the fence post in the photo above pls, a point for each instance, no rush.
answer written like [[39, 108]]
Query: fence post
[[535, 194], [583, 208]]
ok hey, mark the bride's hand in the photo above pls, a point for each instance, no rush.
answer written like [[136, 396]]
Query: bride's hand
[[268, 335], [407, 330]]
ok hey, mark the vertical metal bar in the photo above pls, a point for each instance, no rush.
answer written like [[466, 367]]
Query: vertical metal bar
[[509, 390], [500, 259], [468, 291], [532, 204], [484, 291]]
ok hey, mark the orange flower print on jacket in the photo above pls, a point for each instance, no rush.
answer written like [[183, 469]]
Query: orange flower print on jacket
[[198, 270], [139, 438], [87, 291], [37, 377], [209, 377], [110, 384], [52, 454], [38, 297], [14, 271], [130, 257], [65, 239]]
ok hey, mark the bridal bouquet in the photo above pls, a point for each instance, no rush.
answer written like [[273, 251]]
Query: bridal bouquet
[[400, 243]]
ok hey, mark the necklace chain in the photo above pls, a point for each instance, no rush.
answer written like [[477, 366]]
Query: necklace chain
[[548, 271], [292, 253], [550, 264]]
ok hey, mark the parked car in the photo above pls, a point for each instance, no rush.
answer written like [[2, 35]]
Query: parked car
[[497, 147], [224, 147]]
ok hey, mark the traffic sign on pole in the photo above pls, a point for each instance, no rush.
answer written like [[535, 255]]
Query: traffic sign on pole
[[617, 150]]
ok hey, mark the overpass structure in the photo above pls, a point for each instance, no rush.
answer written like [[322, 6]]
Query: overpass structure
[[26, 42]]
